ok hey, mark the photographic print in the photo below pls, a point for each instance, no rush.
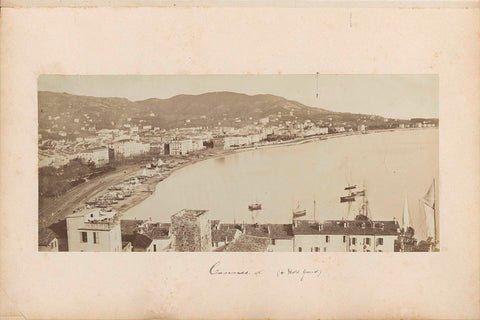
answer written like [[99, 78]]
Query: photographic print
[[238, 163]]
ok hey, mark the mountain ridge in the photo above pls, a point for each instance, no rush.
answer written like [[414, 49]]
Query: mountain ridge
[[79, 115]]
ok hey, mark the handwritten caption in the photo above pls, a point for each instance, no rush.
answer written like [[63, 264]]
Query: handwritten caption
[[301, 273]]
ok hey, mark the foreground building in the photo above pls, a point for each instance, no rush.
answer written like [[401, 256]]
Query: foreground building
[[191, 231], [95, 230], [359, 235]]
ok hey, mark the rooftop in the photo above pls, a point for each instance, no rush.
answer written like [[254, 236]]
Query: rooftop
[[194, 213], [346, 227], [157, 230], [280, 231], [257, 230], [129, 227], [247, 244], [141, 241], [223, 234]]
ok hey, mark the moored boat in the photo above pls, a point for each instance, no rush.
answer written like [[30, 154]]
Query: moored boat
[[255, 206]]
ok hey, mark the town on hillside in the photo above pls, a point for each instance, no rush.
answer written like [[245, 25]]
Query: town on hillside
[[92, 170]]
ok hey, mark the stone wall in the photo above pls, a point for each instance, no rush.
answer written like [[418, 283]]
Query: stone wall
[[190, 233]]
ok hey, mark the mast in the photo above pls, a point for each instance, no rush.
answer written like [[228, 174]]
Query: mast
[[435, 215], [406, 215], [314, 218], [317, 84]]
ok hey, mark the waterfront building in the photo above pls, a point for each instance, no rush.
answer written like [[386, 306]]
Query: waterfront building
[[361, 234], [128, 148], [96, 230], [180, 147], [99, 156], [191, 231]]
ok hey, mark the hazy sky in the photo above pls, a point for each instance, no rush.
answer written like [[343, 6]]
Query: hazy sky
[[396, 96]]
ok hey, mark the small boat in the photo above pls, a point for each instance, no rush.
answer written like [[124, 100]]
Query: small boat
[[297, 213], [349, 198], [255, 206], [350, 187]]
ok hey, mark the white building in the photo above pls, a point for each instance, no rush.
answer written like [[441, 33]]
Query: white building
[[281, 238], [98, 155], [128, 148], [181, 147], [359, 235], [94, 231]]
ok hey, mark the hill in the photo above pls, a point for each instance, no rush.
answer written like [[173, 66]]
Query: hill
[[72, 113]]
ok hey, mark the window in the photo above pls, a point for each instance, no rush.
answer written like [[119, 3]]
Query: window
[[324, 249], [354, 241], [367, 241], [155, 247], [380, 241], [273, 241], [95, 237], [84, 236], [327, 239], [299, 249], [344, 239], [317, 249]]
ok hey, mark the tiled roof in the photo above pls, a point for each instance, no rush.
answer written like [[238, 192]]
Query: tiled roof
[[221, 235], [55, 230], [306, 227], [141, 241], [280, 231], [257, 230], [157, 230], [129, 227], [195, 213], [347, 227], [247, 244]]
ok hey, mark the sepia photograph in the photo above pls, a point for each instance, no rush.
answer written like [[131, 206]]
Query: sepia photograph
[[238, 163], [188, 161]]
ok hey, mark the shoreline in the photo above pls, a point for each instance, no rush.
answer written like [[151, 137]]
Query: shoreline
[[222, 153], [53, 210]]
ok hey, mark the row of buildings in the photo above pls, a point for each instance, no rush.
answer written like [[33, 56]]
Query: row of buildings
[[100, 230]]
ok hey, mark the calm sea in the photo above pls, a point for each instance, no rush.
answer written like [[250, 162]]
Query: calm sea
[[391, 165]]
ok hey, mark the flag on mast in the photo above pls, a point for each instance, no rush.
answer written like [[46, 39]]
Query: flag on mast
[[428, 202]]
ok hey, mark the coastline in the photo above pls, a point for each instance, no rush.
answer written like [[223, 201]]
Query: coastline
[[222, 153], [54, 210]]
